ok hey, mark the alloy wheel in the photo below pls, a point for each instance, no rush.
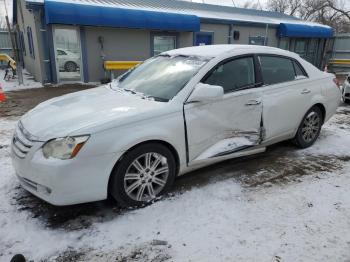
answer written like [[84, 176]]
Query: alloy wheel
[[311, 127], [146, 176]]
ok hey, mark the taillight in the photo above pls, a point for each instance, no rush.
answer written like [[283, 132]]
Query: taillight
[[336, 81]]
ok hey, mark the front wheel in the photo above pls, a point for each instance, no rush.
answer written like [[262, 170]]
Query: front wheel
[[310, 128], [143, 174]]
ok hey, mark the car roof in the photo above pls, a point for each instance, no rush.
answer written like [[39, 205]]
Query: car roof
[[219, 50]]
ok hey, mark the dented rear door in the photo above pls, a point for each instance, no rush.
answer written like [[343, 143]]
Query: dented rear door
[[219, 128]]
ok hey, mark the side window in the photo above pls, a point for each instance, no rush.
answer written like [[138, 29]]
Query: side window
[[276, 69], [299, 73], [233, 75], [258, 40], [60, 52]]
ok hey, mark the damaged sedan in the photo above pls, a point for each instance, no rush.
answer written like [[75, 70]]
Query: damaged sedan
[[179, 111]]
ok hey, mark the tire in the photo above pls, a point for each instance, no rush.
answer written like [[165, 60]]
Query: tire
[[310, 128], [346, 101], [134, 183], [70, 66]]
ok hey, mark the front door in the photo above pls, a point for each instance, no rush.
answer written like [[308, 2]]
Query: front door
[[67, 54], [223, 127]]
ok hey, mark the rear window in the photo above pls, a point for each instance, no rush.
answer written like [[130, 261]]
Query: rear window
[[279, 70], [299, 72]]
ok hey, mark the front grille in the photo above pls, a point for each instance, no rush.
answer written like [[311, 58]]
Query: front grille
[[22, 141]]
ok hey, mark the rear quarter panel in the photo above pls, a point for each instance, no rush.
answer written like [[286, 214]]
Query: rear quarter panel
[[331, 94]]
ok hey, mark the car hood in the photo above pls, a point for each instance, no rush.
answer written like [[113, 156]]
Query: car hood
[[84, 111]]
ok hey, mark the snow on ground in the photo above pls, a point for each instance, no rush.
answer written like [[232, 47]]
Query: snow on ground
[[12, 84], [307, 220]]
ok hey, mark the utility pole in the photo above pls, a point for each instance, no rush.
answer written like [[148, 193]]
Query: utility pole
[[14, 48]]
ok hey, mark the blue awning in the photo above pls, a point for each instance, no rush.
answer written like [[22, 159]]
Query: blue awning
[[304, 30], [94, 15]]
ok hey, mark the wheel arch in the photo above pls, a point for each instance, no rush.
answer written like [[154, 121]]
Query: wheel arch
[[323, 110], [152, 141], [321, 106], [70, 61]]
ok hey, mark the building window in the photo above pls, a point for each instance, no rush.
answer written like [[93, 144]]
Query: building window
[[284, 43], [258, 40], [22, 43], [163, 43], [300, 47], [311, 51], [30, 42]]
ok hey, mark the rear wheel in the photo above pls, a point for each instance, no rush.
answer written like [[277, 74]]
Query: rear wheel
[[143, 174], [310, 128]]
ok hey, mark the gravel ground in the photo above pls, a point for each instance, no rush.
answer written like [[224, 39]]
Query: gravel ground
[[282, 171]]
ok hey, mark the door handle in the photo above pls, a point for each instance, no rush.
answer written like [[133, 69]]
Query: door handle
[[305, 91], [253, 102]]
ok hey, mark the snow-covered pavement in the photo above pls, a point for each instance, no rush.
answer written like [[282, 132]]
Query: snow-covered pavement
[[12, 84], [285, 205]]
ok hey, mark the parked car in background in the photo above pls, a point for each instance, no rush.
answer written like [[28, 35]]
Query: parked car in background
[[179, 111], [67, 60], [346, 90]]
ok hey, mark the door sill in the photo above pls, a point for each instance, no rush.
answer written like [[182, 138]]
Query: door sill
[[211, 160]]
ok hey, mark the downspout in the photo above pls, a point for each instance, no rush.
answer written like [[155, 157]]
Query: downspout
[[230, 34], [266, 31], [46, 62]]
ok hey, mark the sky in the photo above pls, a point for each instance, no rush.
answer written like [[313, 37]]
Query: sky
[[2, 9]]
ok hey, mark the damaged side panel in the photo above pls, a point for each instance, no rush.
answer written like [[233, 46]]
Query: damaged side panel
[[240, 141], [224, 127]]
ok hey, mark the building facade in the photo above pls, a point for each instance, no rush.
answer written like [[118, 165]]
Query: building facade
[[69, 40]]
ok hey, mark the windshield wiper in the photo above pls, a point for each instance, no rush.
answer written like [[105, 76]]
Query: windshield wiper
[[131, 91]]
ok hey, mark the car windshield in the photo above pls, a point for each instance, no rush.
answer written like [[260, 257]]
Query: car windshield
[[160, 77]]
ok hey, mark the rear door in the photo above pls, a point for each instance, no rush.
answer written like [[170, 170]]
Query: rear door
[[286, 95], [222, 127]]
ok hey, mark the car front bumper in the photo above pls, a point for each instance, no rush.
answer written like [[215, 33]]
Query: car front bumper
[[63, 182]]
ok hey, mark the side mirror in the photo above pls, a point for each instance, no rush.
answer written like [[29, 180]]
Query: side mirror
[[205, 92]]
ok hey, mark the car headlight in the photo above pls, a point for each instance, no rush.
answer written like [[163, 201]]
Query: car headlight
[[64, 148]]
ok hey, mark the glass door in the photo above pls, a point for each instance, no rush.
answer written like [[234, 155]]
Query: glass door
[[67, 54]]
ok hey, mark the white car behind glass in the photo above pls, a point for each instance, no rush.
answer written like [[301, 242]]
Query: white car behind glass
[[67, 60], [176, 112]]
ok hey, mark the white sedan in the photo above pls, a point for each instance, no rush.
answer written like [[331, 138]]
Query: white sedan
[[346, 90], [67, 60], [176, 112]]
